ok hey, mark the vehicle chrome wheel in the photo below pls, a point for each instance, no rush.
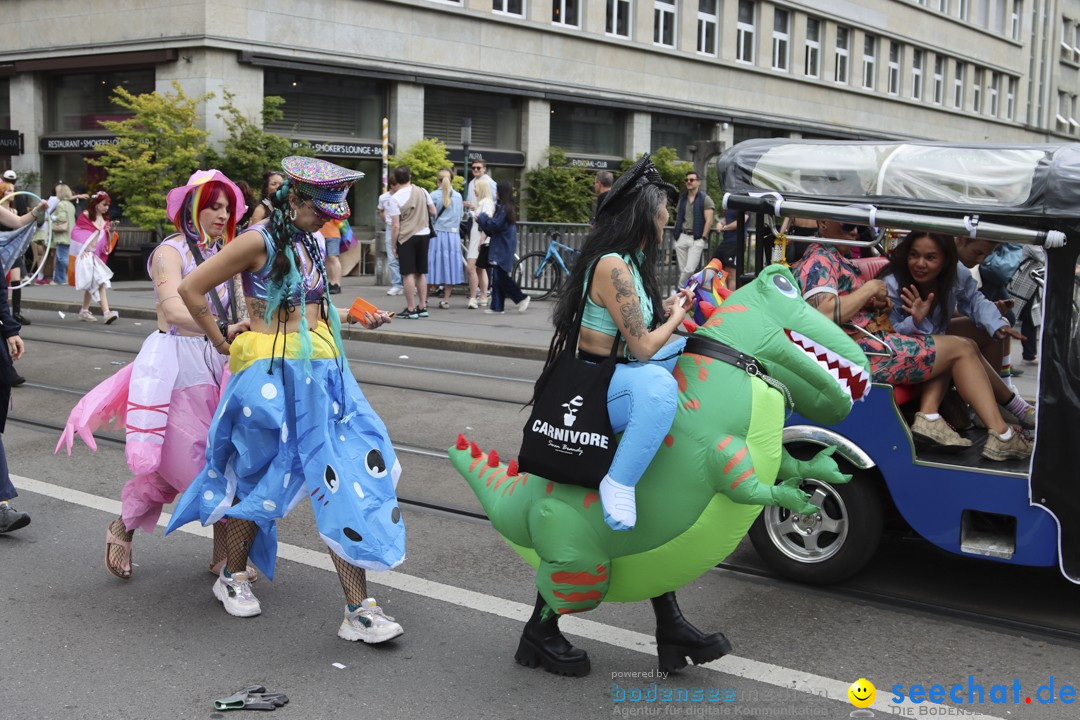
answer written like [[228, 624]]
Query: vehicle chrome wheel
[[810, 538]]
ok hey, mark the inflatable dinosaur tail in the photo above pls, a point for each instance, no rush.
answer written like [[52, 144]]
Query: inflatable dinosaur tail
[[503, 492]]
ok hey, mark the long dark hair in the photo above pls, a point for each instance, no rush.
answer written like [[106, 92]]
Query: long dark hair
[[505, 192], [266, 181], [946, 279], [626, 232]]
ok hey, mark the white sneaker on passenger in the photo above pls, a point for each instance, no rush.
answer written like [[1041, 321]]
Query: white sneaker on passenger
[[235, 594], [369, 624]]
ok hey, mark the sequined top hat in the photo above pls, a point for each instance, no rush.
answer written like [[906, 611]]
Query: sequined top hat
[[174, 201], [630, 183], [323, 183]]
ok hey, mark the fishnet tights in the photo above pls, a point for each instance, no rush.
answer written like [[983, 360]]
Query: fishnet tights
[[237, 537], [353, 580], [119, 530], [220, 550]]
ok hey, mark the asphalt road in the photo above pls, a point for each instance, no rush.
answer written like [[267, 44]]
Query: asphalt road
[[79, 643]]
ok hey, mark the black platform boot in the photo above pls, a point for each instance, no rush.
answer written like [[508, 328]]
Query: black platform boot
[[677, 639], [543, 644]]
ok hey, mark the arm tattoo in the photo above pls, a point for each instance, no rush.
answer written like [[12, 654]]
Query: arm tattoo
[[629, 305], [624, 286], [200, 311]]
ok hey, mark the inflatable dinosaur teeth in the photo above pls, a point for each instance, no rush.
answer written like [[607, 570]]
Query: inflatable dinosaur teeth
[[852, 378]]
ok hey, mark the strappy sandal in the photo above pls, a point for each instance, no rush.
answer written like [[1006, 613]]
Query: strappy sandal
[[117, 561], [253, 574]]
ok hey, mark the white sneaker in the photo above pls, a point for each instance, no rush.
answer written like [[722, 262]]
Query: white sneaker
[[524, 304], [235, 594], [369, 624], [395, 290], [473, 304], [620, 504]]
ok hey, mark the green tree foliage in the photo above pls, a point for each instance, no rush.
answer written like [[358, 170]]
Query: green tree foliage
[[425, 158], [250, 151], [558, 192], [156, 149]]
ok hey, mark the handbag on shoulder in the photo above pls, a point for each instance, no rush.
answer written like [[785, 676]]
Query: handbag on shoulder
[[568, 437]]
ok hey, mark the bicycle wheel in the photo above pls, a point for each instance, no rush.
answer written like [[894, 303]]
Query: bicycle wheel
[[537, 278]]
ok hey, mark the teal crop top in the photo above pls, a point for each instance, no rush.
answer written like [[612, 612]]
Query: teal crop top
[[599, 319]]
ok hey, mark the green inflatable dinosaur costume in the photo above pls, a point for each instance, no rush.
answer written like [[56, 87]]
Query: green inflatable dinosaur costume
[[713, 473]]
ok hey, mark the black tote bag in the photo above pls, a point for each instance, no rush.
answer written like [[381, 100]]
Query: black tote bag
[[568, 437]]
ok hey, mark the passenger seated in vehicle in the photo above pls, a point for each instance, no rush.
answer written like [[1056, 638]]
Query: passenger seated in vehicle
[[831, 282], [925, 294]]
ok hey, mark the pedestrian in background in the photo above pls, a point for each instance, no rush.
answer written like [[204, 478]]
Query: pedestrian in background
[[601, 184], [411, 242], [501, 228], [19, 205], [693, 221], [90, 240], [390, 214], [272, 180], [445, 265], [477, 253], [63, 220], [331, 233]]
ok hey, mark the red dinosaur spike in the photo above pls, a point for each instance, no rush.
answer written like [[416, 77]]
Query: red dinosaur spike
[[689, 325], [707, 308], [493, 459], [475, 450], [512, 468], [462, 442]]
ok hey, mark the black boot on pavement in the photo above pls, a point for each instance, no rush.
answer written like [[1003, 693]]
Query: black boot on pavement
[[543, 644], [677, 639]]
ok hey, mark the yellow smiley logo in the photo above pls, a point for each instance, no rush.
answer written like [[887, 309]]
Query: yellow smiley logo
[[862, 693]]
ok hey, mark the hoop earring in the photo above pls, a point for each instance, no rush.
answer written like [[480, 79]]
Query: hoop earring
[[292, 214]]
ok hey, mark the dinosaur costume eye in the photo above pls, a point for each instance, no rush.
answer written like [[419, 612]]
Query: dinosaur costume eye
[[375, 464], [330, 477], [784, 285]]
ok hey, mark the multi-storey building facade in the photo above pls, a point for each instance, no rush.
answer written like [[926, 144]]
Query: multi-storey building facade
[[603, 79]]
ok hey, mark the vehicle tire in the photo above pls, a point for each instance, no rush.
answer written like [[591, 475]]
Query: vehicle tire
[[833, 545], [540, 287]]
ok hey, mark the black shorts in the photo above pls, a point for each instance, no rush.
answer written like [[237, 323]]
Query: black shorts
[[725, 253], [412, 255]]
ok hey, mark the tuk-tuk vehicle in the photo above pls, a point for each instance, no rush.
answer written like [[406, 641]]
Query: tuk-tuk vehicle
[[1019, 512]]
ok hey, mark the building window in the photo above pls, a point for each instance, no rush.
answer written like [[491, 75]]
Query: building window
[[1014, 23], [81, 101], [843, 37], [565, 12], [1074, 126], [939, 79], [679, 133], [707, 26], [664, 23], [744, 39], [587, 129], [943, 6], [1066, 39], [781, 40], [869, 62], [958, 85], [965, 9], [1010, 99], [509, 7], [618, 18], [995, 92], [496, 119], [1061, 122], [813, 47], [340, 106], [896, 55], [976, 90], [917, 74]]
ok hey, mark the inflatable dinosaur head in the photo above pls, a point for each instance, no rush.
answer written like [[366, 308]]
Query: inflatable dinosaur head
[[822, 368]]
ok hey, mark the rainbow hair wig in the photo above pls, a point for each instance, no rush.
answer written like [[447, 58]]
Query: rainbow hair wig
[[201, 197]]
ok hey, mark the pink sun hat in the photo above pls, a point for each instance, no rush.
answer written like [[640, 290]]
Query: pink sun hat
[[176, 197]]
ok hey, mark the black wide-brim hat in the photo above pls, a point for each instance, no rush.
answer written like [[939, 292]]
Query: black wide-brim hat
[[630, 183]]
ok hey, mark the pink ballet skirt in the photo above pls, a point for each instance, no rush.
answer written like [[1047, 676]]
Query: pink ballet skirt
[[165, 400]]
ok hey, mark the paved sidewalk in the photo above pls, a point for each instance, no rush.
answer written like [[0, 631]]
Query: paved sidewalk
[[512, 334]]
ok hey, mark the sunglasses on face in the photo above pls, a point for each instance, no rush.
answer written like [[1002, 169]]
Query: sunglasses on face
[[848, 227], [477, 167], [691, 180]]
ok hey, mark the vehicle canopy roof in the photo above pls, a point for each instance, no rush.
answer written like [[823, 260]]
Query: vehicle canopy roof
[[1014, 180]]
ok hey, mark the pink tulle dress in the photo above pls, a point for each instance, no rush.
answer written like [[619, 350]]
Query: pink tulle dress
[[165, 401]]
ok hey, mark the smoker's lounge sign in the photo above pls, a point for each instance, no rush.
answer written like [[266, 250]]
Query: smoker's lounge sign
[[11, 142], [75, 143], [345, 149]]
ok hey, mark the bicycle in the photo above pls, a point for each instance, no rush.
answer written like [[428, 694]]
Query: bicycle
[[540, 274]]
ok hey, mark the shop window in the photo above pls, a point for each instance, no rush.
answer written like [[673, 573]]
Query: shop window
[[678, 132], [340, 106], [81, 101], [586, 129], [496, 119]]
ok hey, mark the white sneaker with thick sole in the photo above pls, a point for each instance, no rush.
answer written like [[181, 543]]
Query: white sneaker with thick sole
[[395, 290], [368, 623], [235, 594]]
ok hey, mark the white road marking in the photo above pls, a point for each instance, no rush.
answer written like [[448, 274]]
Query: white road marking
[[745, 668]]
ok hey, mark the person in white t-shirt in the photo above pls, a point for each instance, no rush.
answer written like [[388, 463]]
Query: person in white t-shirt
[[390, 213], [411, 239]]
